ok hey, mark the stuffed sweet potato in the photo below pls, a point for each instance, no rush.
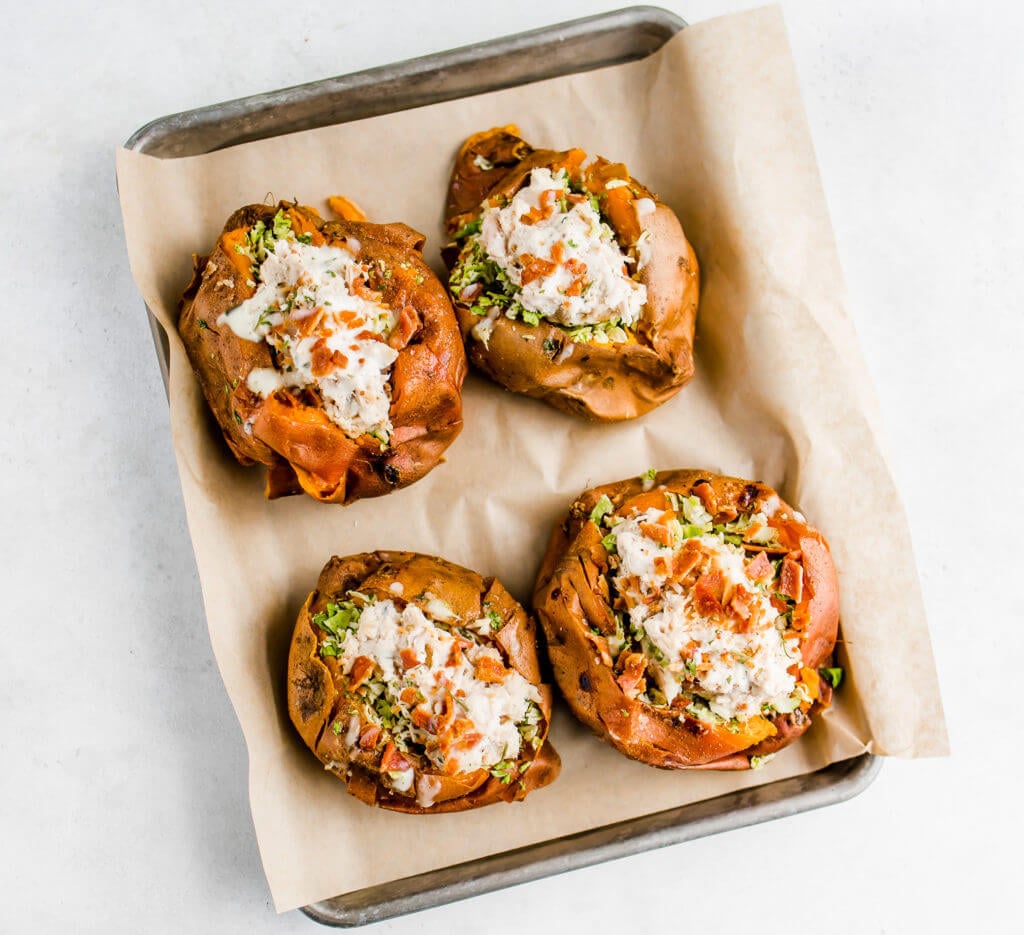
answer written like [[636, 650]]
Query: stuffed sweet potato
[[690, 618], [417, 682], [327, 350], [571, 281]]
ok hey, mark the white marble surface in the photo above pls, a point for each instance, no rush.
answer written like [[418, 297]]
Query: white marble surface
[[123, 801]]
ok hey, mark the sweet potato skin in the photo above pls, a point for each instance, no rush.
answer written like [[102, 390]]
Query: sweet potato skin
[[304, 451], [317, 696], [605, 383], [569, 600]]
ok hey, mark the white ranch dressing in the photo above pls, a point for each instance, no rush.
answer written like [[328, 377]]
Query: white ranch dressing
[[494, 708], [297, 281], [609, 292], [743, 666]]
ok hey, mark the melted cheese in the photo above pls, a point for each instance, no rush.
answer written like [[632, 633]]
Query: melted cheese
[[298, 281], [580, 238]]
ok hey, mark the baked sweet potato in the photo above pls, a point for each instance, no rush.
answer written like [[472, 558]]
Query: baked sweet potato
[[572, 283], [690, 618], [327, 351], [417, 682]]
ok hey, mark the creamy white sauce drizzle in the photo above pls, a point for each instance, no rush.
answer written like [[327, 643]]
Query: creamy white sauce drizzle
[[493, 708], [608, 292], [740, 665], [298, 281]]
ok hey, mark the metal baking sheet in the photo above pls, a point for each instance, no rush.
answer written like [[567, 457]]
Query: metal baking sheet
[[580, 45]]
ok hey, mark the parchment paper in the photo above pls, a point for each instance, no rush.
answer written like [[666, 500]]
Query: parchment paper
[[714, 123]]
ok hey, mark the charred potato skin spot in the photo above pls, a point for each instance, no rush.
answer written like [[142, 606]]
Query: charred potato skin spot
[[603, 383], [575, 559], [301, 449], [317, 693]]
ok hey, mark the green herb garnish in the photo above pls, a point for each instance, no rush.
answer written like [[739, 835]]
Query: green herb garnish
[[337, 621], [833, 675], [503, 771], [260, 240], [471, 227], [602, 508]]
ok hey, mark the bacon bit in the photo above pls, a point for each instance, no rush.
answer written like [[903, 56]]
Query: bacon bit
[[306, 326], [408, 325], [759, 568], [578, 270], [369, 737], [535, 267], [409, 658], [407, 695], [740, 603], [460, 727], [321, 358], [350, 318], [543, 210], [362, 669], [707, 496], [575, 199], [392, 761], [707, 593], [458, 648], [791, 579], [657, 533], [660, 564], [631, 680], [489, 669], [422, 717], [557, 251], [324, 360], [448, 716], [367, 336], [685, 559]]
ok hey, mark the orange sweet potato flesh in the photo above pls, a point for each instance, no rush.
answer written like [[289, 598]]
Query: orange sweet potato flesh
[[605, 383], [318, 696], [302, 449], [571, 597]]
